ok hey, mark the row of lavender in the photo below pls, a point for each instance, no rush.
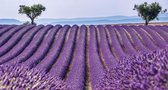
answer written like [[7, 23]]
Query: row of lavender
[[78, 55], [147, 71]]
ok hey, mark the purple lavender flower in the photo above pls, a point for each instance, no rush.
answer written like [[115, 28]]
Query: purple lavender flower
[[18, 77], [148, 71]]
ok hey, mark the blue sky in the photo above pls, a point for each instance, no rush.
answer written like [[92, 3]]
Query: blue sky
[[75, 8]]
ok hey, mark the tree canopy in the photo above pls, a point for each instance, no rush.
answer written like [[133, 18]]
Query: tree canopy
[[32, 12], [149, 12]]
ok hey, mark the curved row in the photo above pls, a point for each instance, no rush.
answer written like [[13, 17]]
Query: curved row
[[61, 51]]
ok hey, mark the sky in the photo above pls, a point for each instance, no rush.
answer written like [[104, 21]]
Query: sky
[[75, 8]]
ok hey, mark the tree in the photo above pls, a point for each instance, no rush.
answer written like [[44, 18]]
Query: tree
[[32, 12], [149, 12]]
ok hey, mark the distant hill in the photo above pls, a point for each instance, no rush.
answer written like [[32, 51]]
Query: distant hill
[[94, 20], [100, 20], [10, 21], [53, 21]]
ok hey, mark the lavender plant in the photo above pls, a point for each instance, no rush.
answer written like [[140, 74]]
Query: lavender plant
[[148, 71], [18, 77]]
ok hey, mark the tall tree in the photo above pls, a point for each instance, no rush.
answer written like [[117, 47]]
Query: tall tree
[[32, 12], [149, 12]]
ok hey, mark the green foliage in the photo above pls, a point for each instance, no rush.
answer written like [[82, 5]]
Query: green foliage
[[32, 11], [149, 12]]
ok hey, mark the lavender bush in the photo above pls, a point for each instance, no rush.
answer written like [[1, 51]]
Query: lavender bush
[[148, 71], [18, 77]]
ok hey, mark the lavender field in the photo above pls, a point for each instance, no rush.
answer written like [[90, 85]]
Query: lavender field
[[93, 57]]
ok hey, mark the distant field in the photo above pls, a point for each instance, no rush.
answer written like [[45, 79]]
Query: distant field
[[79, 55]]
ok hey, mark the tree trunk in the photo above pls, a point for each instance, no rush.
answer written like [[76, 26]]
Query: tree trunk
[[146, 22], [32, 21]]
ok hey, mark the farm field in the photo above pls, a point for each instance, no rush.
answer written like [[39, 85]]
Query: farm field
[[83, 57]]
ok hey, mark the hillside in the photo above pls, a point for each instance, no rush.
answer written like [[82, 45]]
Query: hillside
[[10, 21], [88, 21], [100, 20]]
